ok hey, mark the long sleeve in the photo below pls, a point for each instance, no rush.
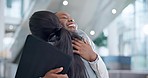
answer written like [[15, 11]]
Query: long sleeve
[[98, 65]]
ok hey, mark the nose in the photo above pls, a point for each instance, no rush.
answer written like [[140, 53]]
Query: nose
[[71, 20]]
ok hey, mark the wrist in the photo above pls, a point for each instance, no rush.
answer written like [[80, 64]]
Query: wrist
[[93, 57], [95, 61]]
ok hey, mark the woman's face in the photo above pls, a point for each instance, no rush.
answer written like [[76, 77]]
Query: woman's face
[[67, 21]]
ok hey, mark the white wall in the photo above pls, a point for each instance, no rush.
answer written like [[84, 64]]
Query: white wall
[[113, 40], [2, 5]]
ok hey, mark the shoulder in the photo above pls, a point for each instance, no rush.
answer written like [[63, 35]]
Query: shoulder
[[85, 36], [81, 32]]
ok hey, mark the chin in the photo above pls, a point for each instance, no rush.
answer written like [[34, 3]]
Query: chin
[[72, 29]]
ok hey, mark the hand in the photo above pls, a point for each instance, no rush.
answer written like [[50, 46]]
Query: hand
[[54, 73], [84, 49]]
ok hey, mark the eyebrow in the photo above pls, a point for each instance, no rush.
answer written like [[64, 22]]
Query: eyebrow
[[64, 14]]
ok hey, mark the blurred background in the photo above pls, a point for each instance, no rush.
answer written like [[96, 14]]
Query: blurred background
[[119, 29]]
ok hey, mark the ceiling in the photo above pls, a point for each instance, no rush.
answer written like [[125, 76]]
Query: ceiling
[[91, 14]]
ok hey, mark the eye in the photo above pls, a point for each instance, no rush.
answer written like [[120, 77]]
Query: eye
[[64, 17]]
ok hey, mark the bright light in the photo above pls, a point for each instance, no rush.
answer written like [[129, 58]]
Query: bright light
[[65, 2], [11, 27], [114, 11], [145, 29], [92, 32]]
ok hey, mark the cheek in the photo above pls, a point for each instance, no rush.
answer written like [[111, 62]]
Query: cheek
[[63, 22]]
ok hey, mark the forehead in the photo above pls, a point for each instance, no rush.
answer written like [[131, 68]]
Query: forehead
[[63, 14]]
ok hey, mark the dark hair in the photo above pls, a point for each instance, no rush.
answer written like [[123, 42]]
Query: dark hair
[[45, 25]]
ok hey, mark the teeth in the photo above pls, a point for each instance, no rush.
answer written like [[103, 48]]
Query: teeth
[[72, 25]]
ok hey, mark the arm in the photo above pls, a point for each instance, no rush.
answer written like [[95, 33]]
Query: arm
[[97, 64], [99, 67]]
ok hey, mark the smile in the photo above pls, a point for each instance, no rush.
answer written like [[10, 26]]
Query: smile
[[71, 25]]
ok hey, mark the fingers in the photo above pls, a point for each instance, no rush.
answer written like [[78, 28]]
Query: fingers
[[54, 73], [76, 51], [62, 76], [78, 41], [77, 44], [57, 70], [77, 47], [86, 42]]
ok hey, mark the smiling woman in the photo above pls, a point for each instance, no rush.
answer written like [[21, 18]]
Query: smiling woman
[[67, 21], [85, 49]]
